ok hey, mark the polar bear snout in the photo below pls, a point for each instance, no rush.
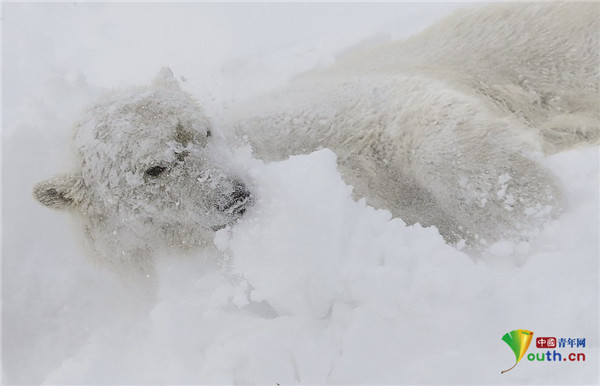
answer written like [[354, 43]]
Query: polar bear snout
[[237, 201]]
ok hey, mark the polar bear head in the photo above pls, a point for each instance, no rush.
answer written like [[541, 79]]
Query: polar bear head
[[148, 173]]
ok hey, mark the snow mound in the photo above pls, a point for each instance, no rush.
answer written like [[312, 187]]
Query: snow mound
[[313, 287]]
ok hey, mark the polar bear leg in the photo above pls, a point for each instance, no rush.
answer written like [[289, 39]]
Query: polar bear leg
[[384, 185], [489, 187]]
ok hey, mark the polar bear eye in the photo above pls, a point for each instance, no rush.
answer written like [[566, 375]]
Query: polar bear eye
[[155, 171]]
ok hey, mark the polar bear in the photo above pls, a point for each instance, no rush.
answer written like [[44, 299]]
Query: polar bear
[[443, 129], [148, 175]]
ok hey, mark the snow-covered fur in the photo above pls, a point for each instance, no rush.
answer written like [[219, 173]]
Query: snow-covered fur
[[445, 128], [441, 129], [147, 176]]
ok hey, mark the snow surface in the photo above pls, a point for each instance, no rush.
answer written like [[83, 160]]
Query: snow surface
[[311, 286]]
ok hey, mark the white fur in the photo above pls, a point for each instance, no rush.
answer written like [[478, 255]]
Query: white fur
[[127, 211], [442, 128], [439, 129]]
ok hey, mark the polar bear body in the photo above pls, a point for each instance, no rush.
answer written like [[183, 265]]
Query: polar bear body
[[441, 129], [431, 155]]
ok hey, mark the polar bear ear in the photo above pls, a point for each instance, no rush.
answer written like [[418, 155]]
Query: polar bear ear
[[61, 192], [166, 79]]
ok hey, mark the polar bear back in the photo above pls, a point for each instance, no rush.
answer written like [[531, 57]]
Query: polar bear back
[[539, 63], [543, 45]]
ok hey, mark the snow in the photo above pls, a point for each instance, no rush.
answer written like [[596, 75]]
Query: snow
[[311, 286]]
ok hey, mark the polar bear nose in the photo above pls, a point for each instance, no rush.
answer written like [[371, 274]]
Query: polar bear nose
[[237, 201]]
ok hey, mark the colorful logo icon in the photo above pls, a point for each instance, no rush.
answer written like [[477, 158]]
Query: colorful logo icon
[[518, 341], [545, 342]]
